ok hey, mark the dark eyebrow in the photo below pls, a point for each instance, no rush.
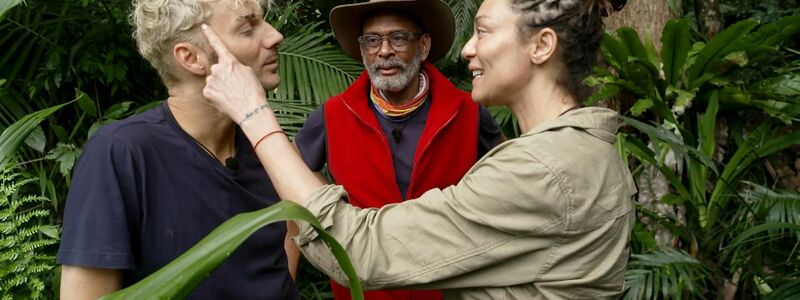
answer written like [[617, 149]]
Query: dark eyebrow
[[245, 18]]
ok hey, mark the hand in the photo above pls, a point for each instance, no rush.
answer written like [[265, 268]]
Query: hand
[[232, 87]]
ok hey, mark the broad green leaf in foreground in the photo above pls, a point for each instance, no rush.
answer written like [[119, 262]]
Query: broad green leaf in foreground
[[5, 6], [177, 279], [15, 134]]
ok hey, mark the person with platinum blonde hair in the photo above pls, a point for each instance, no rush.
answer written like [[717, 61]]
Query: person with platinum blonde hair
[[149, 187]]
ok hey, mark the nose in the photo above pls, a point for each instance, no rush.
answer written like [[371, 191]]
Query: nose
[[469, 51], [272, 38], [386, 49]]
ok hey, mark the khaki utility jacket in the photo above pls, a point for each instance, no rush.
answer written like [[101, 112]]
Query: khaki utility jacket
[[547, 215]]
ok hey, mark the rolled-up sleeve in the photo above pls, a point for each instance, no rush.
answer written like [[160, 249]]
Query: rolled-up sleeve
[[504, 209]]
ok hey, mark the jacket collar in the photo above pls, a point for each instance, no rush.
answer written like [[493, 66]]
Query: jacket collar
[[599, 122]]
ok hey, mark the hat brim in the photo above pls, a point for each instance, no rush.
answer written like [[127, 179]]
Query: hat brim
[[435, 16]]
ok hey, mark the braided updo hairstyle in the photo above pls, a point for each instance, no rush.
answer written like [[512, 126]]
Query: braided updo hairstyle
[[579, 26]]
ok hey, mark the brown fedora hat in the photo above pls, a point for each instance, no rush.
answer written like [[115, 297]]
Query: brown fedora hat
[[435, 16]]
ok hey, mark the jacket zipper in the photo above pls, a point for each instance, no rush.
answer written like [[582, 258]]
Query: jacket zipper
[[422, 154]]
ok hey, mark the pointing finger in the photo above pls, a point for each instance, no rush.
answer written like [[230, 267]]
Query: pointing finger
[[216, 43]]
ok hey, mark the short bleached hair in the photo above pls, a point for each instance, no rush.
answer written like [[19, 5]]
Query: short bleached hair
[[160, 24]]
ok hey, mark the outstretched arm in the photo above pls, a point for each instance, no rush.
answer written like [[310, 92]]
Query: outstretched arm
[[234, 90]]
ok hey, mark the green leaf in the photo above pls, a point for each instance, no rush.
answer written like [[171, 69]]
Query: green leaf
[[66, 155], [682, 98], [311, 69], [725, 42], [673, 199], [463, 13], [675, 45], [607, 91], [630, 40], [674, 8], [738, 58], [117, 111], [789, 290], [85, 103], [675, 142], [615, 53], [5, 6], [744, 237], [641, 106], [96, 125], [36, 140], [60, 132], [707, 127], [776, 32], [178, 278], [148, 106], [645, 78], [646, 155], [664, 271], [50, 231], [15, 134], [783, 86], [760, 143]]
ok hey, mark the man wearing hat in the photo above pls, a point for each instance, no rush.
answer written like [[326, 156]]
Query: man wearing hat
[[401, 128]]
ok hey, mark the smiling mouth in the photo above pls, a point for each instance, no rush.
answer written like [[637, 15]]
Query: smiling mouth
[[477, 74]]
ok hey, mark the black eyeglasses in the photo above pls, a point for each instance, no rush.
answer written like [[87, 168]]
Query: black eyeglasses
[[399, 41]]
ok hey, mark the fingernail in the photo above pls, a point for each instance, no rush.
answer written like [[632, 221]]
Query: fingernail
[[204, 26]]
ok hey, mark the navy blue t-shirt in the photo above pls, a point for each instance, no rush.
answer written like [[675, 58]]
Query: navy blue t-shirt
[[143, 192], [403, 137]]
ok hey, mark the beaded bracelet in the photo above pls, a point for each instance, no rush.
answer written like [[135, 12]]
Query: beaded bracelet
[[264, 137], [253, 112]]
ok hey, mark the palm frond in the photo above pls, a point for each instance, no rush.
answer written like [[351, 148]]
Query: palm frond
[[788, 290], [311, 69], [664, 273], [463, 12], [290, 114], [770, 205]]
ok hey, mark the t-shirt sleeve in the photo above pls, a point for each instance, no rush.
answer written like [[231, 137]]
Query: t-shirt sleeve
[[311, 141], [97, 217], [489, 134]]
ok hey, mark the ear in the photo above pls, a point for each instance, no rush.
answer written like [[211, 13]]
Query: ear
[[544, 44], [426, 46], [191, 59]]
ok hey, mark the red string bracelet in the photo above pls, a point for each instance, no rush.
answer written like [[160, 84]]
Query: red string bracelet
[[255, 146]]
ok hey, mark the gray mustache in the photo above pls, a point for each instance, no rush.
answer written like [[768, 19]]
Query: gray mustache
[[389, 63]]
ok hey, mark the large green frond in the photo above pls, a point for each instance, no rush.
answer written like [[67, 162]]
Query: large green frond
[[463, 11], [664, 274], [178, 278], [6, 5], [311, 69], [771, 205]]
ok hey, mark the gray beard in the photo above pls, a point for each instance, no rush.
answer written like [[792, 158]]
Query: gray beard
[[398, 82]]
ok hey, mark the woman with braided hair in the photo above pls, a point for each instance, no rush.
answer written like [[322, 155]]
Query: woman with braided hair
[[547, 215]]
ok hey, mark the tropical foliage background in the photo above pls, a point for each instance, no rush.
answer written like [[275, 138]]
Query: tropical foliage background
[[711, 108]]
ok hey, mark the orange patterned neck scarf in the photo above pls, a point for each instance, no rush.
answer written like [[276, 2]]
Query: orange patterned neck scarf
[[399, 111]]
